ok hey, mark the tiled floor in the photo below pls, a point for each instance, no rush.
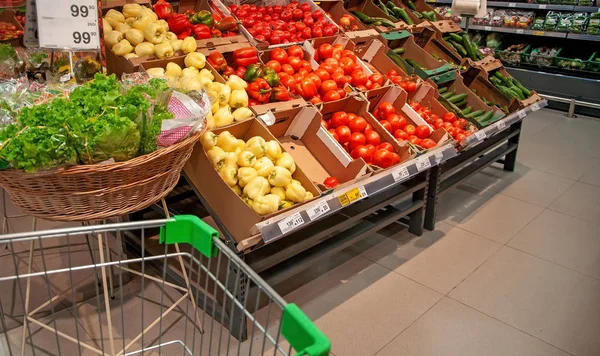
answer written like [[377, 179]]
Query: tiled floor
[[513, 268]]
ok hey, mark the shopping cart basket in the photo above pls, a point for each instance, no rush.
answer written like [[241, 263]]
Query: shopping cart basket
[[69, 297]]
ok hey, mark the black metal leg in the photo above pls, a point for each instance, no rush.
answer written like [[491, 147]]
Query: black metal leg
[[417, 217], [510, 160], [432, 197]]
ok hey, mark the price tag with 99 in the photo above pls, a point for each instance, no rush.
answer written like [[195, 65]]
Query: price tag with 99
[[400, 174], [68, 24], [423, 163], [522, 114], [480, 135], [290, 223], [500, 125], [317, 210]]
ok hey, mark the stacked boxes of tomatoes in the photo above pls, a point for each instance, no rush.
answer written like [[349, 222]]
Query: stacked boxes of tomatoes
[[295, 22]]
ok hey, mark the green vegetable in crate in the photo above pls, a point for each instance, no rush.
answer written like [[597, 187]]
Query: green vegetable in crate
[[411, 5], [399, 13], [385, 9], [399, 50], [375, 21], [456, 98], [429, 15]]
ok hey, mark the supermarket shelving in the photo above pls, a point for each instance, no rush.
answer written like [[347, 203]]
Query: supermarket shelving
[[524, 5]]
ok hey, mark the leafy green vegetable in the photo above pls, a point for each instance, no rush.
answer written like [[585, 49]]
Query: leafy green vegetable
[[7, 52], [110, 136]]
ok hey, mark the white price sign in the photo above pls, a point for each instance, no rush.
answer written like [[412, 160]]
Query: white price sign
[[423, 163], [290, 223], [501, 125], [30, 39], [400, 174], [68, 24], [487, 28], [317, 210], [535, 107], [480, 135], [511, 4], [542, 7], [520, 31], [522, 114]]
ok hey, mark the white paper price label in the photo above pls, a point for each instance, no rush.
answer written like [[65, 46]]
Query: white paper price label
[[487, 28], [68, 24], [511, 4], [520, 31], [480, 135], [535, 107], [317, 210], [500, 125], [30, 38], [400, 174], [522, 114], [423, 163], [290, 223], [542, 6]]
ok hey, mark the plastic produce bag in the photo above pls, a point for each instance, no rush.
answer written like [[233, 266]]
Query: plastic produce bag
[[580, 21], [190, 112], [552, 19], [565, 22], [538, 23], [593, 27]]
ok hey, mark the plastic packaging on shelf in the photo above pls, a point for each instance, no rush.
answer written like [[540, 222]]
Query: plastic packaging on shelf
[[593, 27], [512, 54], [525, 19], [498, 18], [586, 2], [541, 56], [538, 23], [486, 20], [552, 19], [565, 22], [580, 21]]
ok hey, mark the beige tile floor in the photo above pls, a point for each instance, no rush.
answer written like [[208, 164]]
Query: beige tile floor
[[513, 268]]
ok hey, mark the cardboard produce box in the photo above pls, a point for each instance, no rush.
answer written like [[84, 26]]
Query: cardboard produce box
[[234, 213], [8, 16], [336, 9], [369, 8], [431, 41], [301, 134], [477, 80], [359, 105], [162, 63], [399, 99]]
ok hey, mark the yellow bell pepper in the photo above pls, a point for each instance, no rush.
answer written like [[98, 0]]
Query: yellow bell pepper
[[195, 59], [188, 45], [238, 98], [144, 49], [163, 50], [256, 145], [219, 92], [273, 150], [130, 55], [130, 20], [245, 175], [215, 155], [164, 25], [157, 72], [148, 12], [189, 84], [135, 37], [205, 73], [123, 28], [142, 22], [309, 196], [280, 177], [106, 27], [114, 17], [246, 159], [241, 144], [122, 48], [286, 161], [241, 114], [285, 204], [209, 140], [204, 83], [257, 187], [190, 72], [238, 151], [132, 10], [247, 200], [263, 166], [237, 190], [230, 160], [173, 69], [170, 36], [266, 204], [155, 33], [112, 38], [236, 83], [295, 192], [172, 80], [279, 191], [176, 45], [223, 117], [214, 107], [227, 141], [210, 121], [229, 175]]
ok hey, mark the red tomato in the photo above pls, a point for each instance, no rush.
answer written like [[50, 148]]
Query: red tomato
[[357, 139], [463, 123], [368, 128], [331, 182], [414, 140], [322, 73], [317, 31], [295, 51], [372, 137], [427, 143], [422, 131], [324, 124], [460, 137], [394, 120], [359, 77], [315, 100], [347, 65], [386, 125], [327, 67], [338, 79], [361, 152], [295, 62], [325, 50], [279, 55], [400, 135], [317, 14], [438, 123], [410, 129], [328, 85], [275, 65], [376, 78], [339, 118], [385, 108], [287, 68], [371, 148], [341, 92], [386, 146], [343, 133], [449, 117], [334, 134], [358, 124], [307, 33], [395, 158], [332, 62], [331, 95], [315, 79], [382, 158]]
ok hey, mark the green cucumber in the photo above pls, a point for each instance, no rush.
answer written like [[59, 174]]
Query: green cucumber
[[383, 7], [359, 15], [413, 63], [475, 113], [447, 94], [399, 50], [455, 37], [525, 91], [486, 117], [457, 98], [411, 5], [467, 111], [403, 15], [442, 90], [517, 92], [459, 48], [461, 103], [506, 91]]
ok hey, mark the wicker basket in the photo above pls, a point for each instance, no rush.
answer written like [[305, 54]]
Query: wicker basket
[[99, 191]]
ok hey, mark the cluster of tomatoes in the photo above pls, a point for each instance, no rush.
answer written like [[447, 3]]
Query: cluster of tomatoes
[[283, 24], [409, 84], [397, 124], [359, 139], [456, 127], [344, 68]]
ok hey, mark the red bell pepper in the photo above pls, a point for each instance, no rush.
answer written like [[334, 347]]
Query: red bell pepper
[[229, 71], [240, 71], [179, 23], [280, 93], [244, 57], [306, 88], [217, 60], [227, 24], [216, 33], [163, 9], [259, 90], [201, 32]]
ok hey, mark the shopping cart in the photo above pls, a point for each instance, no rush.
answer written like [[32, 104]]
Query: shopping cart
[[69, 296]]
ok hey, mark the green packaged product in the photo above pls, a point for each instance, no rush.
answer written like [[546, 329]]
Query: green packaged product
[[580, 22], [551, 21], [538, 23], [593, 27], [565, 22], [586, 2]]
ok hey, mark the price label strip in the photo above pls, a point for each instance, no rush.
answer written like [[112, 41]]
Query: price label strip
[[315, 211], [423, 163], [290, 223], [68, 24], [30, 39], [522, 114], [353, 195], [400, 174], [500, 126], [535, 107], [480, 135]]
